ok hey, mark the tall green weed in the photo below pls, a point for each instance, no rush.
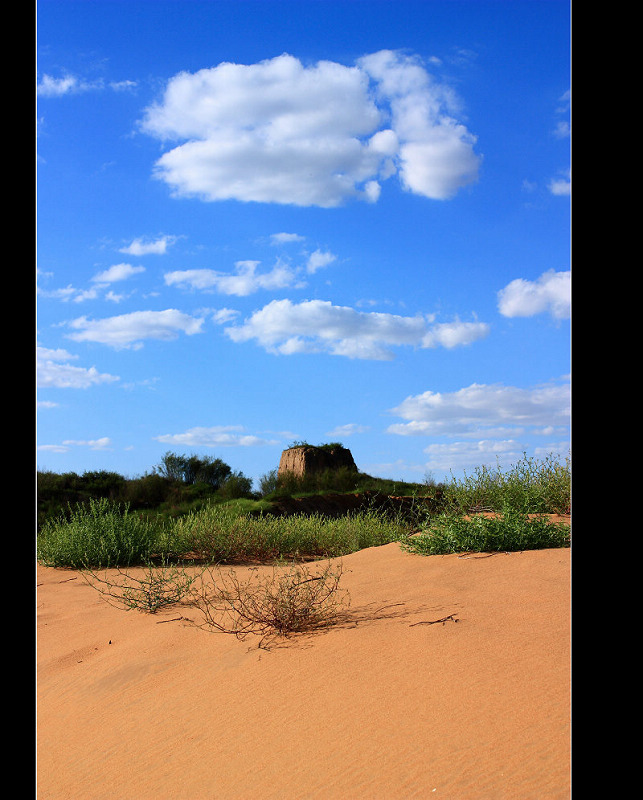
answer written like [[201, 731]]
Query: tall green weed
[[99, 534], [533, 486], [218, 534]]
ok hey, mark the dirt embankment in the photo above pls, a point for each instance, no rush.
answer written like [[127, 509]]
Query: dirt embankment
[[337, 505], [408, 507]]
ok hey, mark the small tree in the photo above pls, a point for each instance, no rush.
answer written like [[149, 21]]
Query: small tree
[[194, 469], [172, 467], [212, 471]]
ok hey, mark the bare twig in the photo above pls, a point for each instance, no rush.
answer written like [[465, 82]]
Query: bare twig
[[435, 621]]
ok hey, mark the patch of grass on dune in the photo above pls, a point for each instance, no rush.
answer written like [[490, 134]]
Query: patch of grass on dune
[[218, 534], [99, 533], [520, 497], [106, 534], [510, 531]]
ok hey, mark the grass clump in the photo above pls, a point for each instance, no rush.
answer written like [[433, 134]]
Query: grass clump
[[535, 486], [98, 534], [221, 535], [510, 531]]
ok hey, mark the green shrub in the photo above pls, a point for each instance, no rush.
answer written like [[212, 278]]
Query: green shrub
[[157, 586], [148, 491], [510, 531], [531, 485], [99, 534], [268, 483], [236, 485]]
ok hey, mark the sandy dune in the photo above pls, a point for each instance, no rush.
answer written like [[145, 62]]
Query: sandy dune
[[132, 706]]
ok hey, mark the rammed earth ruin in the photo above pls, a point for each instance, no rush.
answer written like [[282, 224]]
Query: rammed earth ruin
[[306, 459]]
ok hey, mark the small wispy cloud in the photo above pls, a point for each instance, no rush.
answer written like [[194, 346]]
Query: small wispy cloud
[[347, 430], [144, 247], [243, 281], [561, 185], [49, 86], [117, 272], [215, 436], [318, 260], [286, 238]]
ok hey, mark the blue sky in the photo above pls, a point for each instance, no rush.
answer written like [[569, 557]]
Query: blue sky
[[261, 222]]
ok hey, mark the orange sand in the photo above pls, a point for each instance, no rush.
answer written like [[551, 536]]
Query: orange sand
[[132, 706]]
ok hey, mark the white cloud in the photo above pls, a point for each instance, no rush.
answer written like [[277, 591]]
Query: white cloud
[[56, 87], [562, 185], [117, 272], [52, 448], [119, 86], [129, 330], [458, 456], [143, 247], [455, 334], [348, 430], [551, 293], [482, 410], [54, 371], [562, 130], [281, 132], [71, 294], [318, 260], [244, 281], [319, 326], [223, 315], [216, 436], [49, 86], [435, 151], [93, 444], [285, 238]]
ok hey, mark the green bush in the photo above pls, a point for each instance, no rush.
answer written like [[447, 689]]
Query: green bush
[[268, 483], [146, 492], [340, 480], [236, 485], [99, 534], [535, 486], [510, 531], [194, 469], [57, 492]]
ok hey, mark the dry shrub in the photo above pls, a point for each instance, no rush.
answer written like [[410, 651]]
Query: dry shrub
[[154, 587], [300, 598]]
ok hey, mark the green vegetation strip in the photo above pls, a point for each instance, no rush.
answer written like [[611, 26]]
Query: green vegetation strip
[[101, 532], [104, 534]]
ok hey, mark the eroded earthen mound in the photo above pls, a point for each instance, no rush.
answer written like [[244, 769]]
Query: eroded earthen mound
[[306, 459]]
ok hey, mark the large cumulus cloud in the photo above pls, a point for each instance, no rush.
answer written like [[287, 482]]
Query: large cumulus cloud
[[283, 132]]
